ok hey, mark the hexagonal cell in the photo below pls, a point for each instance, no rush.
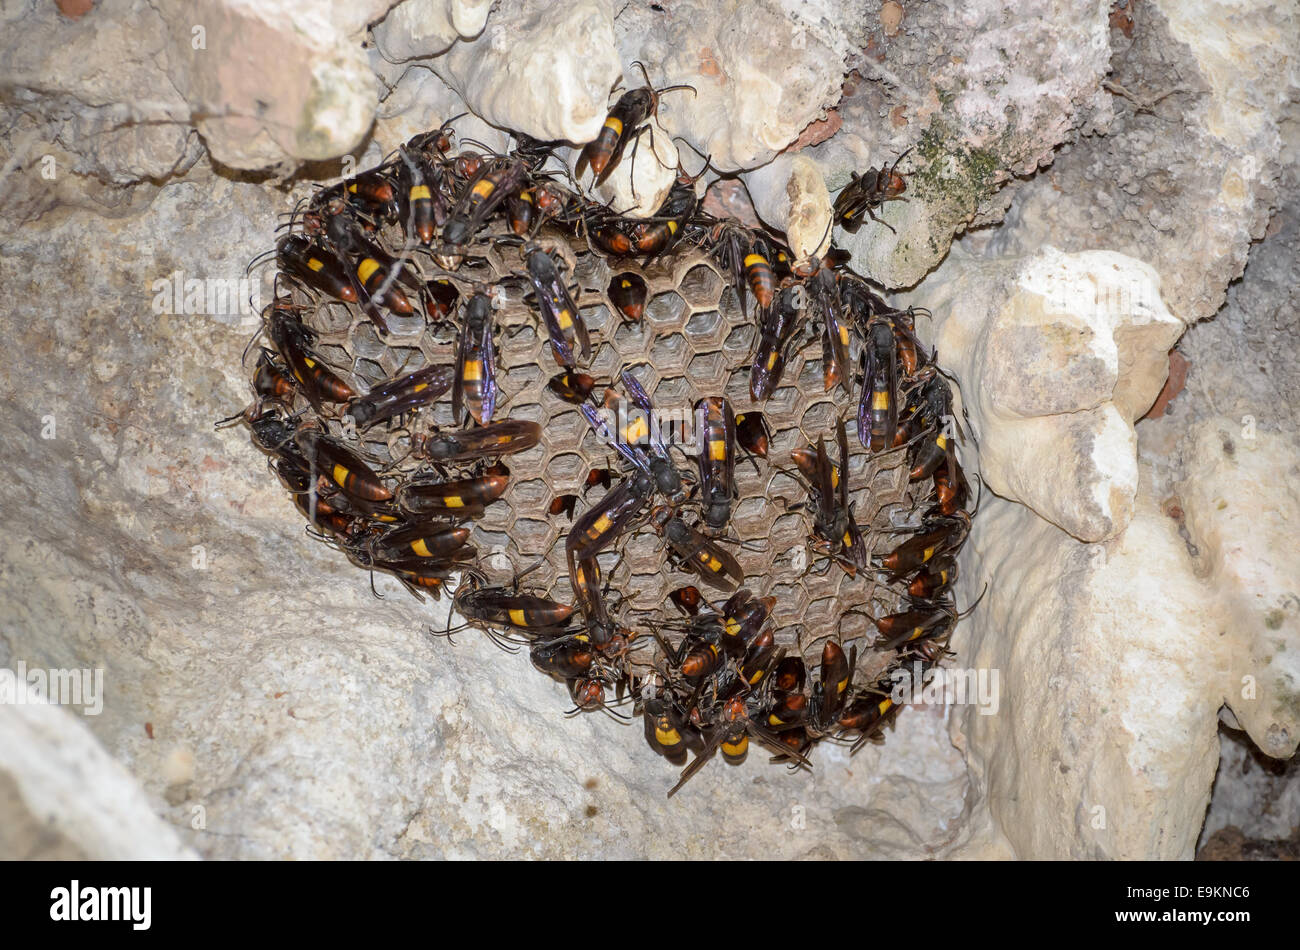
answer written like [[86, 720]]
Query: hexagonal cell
[[592, 271], [605, 362], [492, 548], [810, 378], [632, 339], [529, 495], [701, 287], [738, 343], [564, 429], [370, 372], [737, 388], [780, 405], [566, 471], [705, 330], [666, 310], [404, 328], [599, 453], [401, 360], [474, 271], [595, 318], [751, 509], [521, 379], [729, 305], [672, 401], [333, 317], [643, 370], [821, 614], [365, 343], [440, 414], [852, 625], [668, 354], [705, 371], [644, 550], [534, 535], [819, 420], [613, 568], [789, 530], [521, 344], [531, 412]]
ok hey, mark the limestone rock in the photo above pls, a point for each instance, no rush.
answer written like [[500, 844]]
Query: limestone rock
[[790, 195], [275, 82], [978, 92], [1104, 745], [419, 28], [62, 797], [1241, 504], [539, 68], [1058, 355], [761, 70], [1189, 170]]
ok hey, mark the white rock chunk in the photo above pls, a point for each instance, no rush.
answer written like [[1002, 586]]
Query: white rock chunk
[[539, 68], [1104, 744], [790, 195], [273, 82], [639, 184], [63, 797], [761, 73], [1058, 355], [419, 28], [1242, 504]]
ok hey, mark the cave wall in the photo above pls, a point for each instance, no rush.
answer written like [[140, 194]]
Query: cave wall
[[1106, 173]]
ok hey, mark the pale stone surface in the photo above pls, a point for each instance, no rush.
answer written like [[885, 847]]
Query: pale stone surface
[[308, 719], [1241, 497], [1116, 657], [979, 92], [266, 84], [1058, 355], [762, 71], [305, 717], [62, 797], [539, 68], [790, 195], [1105, 745], [1189, 169], [420, 28]]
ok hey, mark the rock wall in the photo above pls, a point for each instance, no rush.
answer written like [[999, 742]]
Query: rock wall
[[1105, 171]]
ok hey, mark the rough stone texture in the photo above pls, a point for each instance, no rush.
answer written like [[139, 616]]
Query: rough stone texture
[[264, 84], [539, 68], [1106, 744], [979, 92], [420, 28], [1059, 354], [308, 719], [762, 70], [790, 195], [1241, 499], [1121, 653], [1186, 176], [62, 797]]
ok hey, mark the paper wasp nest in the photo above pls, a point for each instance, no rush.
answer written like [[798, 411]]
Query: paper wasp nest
[[693, 341]]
